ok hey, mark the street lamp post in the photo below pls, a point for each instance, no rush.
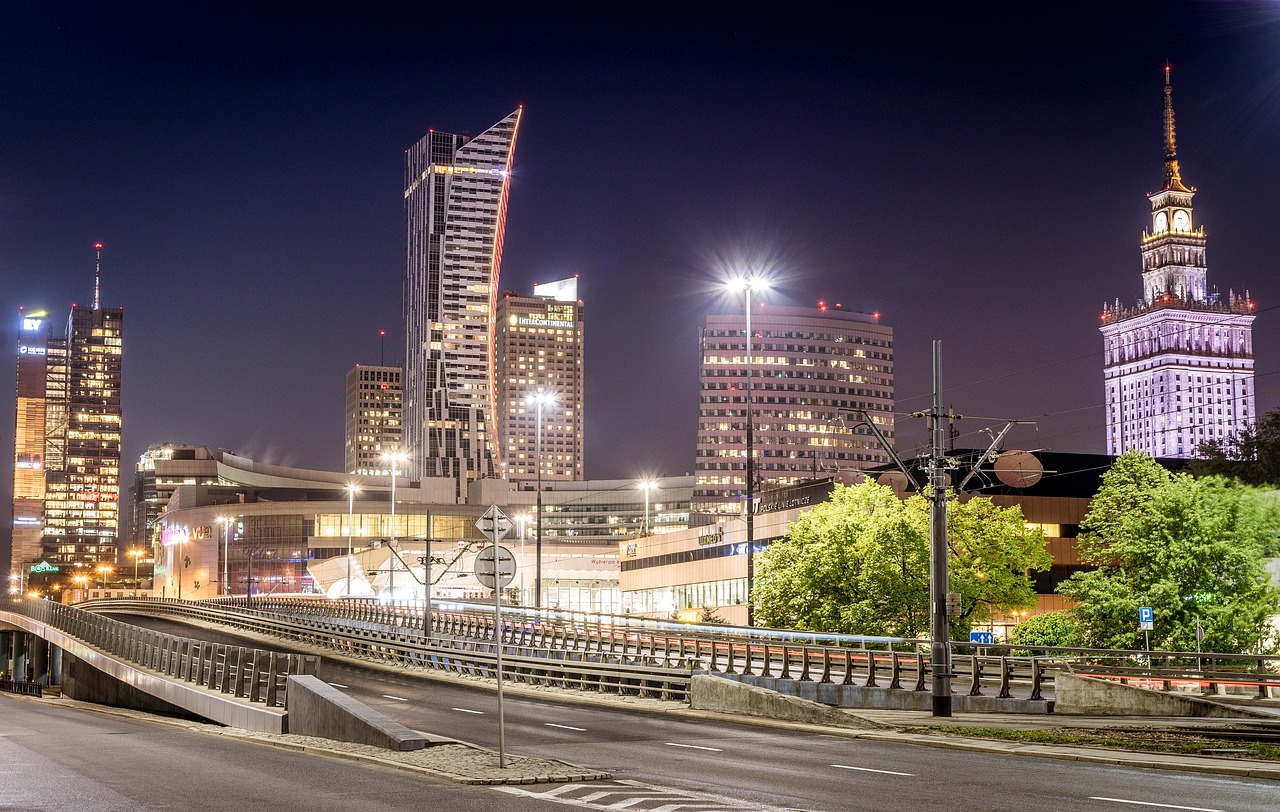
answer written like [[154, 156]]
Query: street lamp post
[[226, 521], [394, 458], [747, 284], [136, 553], [103, 569], [646, 485], [351, 504], [540, 398]]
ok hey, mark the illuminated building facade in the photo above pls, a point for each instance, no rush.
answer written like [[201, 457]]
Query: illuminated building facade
[[373, 418], [455, 204], [539, 347], [807, 364], [28, 450], [82, 445], [1178, 366]]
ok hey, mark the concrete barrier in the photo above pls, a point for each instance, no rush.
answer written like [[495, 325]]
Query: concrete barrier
[[1095, 696], [730, 696], [316, 708]]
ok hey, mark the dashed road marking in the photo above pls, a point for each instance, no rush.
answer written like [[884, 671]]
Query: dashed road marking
[[695, 747], [467, 710], [566, 727], [337, 685], [1152, 803], [869, 770], [396, 698]]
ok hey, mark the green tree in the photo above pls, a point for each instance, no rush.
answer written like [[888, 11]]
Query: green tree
[[1251, 455], [1191, 549], [859, 563], [1046, 629]]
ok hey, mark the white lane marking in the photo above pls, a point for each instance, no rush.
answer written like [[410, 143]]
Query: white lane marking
[[695, 747], [869, 770], [465, 710], [396, 698], [1149, 803], [337, 685], [566, 727]]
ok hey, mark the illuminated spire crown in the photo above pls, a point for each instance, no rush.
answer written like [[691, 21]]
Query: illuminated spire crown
[[1172, 175]]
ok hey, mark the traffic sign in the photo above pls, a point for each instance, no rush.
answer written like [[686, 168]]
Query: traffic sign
[[494, 524], [1146, 618], [497, 560], [982, 638]]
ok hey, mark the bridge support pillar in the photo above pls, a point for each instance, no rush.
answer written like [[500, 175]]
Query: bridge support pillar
[[40, 660]]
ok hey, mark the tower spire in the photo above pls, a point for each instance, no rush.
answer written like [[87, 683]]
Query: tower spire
[[1172, 175], [97, 273]]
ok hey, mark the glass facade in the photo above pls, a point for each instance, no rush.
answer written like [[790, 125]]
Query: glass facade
[[455, 203]]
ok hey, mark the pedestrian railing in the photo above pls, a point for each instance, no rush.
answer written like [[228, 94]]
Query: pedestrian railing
[[25, 688]]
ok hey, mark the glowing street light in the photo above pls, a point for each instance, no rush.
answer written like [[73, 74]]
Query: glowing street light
[[647, 484], [540, 399], [103, 569], [747, 284]]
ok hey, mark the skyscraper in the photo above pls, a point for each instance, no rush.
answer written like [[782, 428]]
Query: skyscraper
[[1178, 366], [539, 347], [82, 437], [455, 205], [28, 451], [373, 417], [807, 364]]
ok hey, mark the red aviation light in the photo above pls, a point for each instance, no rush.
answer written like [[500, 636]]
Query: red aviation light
[[822, 305], [876, 314], [98, 246]]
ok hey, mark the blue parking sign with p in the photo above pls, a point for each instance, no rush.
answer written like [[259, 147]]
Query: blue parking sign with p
[[1145, 615]]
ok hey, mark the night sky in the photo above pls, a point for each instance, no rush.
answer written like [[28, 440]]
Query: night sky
[[973, 176]]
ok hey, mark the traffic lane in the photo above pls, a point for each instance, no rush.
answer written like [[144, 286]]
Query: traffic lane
[[751, 763], [58, 759]]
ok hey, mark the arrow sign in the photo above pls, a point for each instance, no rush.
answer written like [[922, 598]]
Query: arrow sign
[[494, 524]]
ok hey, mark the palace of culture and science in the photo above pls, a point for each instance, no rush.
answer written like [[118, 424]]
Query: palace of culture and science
[[1179, 364]]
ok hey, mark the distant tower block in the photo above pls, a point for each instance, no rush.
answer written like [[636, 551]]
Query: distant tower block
[[1178, 365]]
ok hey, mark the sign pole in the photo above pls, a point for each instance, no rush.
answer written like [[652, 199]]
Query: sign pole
[[497, 639], [495, 525]]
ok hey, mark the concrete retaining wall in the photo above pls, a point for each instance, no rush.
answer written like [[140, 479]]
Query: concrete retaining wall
[[729, 696], [316, 708], [1092, 695]]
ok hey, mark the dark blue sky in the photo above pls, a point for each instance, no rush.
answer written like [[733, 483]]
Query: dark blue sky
[[976, 177]]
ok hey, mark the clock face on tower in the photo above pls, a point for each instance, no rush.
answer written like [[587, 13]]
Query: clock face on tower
[[1162, 222], [1181, 220]]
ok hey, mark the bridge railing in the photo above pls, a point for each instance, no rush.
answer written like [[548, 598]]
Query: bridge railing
[[256, 675], [463, 645], [605, 648]]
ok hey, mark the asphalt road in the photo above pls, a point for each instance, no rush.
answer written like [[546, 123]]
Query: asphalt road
[[771, 767]]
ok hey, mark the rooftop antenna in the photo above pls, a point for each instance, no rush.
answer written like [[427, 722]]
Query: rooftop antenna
[[382, 360], [97, 273]]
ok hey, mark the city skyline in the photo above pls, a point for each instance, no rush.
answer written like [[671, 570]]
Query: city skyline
[[990, 195]]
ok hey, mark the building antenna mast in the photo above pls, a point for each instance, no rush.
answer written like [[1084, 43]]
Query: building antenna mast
[[97, 273]]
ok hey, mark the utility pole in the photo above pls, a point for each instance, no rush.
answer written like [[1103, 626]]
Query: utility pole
[[940, 644]]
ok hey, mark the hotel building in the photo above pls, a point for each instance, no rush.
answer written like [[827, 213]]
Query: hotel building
[[539, 348], [373, 418], [455, 205], [1178, 365], [808, 365]]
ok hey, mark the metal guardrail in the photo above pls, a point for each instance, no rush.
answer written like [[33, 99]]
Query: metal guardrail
[[459, 644], [620, 653], [252, 674]]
